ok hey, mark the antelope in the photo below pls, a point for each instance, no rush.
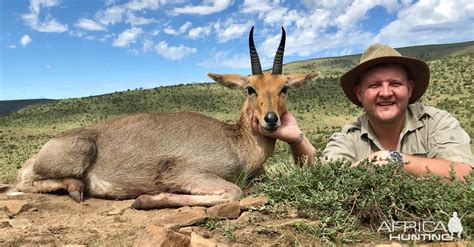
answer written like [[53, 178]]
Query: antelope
[[168, 159]]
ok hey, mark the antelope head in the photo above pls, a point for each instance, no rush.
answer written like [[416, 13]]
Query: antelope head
[[266, 92]]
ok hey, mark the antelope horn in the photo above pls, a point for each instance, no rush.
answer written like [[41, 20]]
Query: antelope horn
[[255, 61], [278, 62]]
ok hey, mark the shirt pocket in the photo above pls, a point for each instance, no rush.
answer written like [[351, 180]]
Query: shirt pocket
[[452, 146], [446, 138], [415, 146]]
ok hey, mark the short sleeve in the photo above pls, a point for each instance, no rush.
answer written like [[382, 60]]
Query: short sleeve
[[448, 140], [340, 147]]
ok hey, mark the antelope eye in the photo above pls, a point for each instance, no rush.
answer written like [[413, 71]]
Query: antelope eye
[[251, 91], [284, 90]]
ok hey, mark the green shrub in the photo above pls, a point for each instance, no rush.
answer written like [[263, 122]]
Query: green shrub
[[347, 200]]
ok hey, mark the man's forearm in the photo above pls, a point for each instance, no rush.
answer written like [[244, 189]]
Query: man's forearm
[[421, 165], [303, 152]]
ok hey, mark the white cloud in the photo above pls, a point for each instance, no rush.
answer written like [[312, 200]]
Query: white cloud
[[322, 27], [127, 37], [111, 15], [230, 30], [169, 30], [225, 59], [326, 4], [357, 11], [173, 52], [154, 32], [147, 45], [185, 27], [89, 24], [25, 40], [49, 24], [275, 15], [208, 7], [311, 39], [128, 12], [329, 44], [199, 32], [271, 12], [85, 35], [134, 52], [317, 21], [256, 6], [12, 46], [428, 22], [134, 20], [109, 2], [144, 4]]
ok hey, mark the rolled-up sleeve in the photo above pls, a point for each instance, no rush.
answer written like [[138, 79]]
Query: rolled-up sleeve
[[448, 140], [340, 146]]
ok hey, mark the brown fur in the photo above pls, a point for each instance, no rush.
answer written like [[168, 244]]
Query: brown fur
[[164, 159]]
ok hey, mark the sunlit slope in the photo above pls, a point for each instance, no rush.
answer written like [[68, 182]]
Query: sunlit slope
[[320, 106]]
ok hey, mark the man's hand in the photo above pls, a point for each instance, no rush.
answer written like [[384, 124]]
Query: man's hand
[[288, 131], [380, 158]]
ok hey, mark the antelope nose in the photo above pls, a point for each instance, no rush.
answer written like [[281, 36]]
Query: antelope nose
[[271, 119]]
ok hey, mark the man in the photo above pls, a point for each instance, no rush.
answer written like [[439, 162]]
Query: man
[[393, 127]]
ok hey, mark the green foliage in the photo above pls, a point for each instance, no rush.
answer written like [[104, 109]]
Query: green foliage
[[223, 226], [345, 199]]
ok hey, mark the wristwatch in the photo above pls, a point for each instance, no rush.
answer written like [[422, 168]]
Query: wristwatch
[[395, 157]]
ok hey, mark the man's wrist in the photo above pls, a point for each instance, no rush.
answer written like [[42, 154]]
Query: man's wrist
[[297, 141], [395, 157]]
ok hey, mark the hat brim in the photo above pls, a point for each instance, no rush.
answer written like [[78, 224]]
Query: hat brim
[[417, 70]]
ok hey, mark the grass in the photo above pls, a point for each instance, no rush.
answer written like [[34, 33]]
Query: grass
[[351, 203], [224, 227]]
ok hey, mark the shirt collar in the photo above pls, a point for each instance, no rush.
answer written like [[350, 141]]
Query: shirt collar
[[413, 116], [365, 129]]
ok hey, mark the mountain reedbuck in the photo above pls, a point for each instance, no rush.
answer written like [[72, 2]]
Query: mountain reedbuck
[[167, 159]]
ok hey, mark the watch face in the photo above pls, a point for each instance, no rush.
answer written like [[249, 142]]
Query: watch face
[[396, 157]]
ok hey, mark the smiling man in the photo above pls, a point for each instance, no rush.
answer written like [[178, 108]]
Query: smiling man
[[394, 126]]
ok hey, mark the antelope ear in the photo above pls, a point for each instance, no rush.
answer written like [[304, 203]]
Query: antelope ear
[[298, 80], [232, 81]]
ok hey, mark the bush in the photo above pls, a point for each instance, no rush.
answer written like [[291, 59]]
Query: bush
[[346, 200]]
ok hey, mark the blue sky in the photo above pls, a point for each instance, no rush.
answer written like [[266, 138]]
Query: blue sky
[[77, 48]]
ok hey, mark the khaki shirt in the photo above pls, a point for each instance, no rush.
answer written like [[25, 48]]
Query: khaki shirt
[[427, 132]]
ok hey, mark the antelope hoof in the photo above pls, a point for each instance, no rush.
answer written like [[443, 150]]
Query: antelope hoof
[[77, 196], [141, 202], [153, 202], [75, 188]]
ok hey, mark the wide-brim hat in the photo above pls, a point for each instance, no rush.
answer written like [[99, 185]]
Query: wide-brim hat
[[376, 54]]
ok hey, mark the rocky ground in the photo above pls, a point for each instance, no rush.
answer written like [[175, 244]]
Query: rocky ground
[[56, 220]]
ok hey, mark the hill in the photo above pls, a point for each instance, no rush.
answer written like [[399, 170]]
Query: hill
[[337, 65], [320, 106], [10, 106]]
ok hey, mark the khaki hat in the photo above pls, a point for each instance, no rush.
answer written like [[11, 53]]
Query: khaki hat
[[376, 54]]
